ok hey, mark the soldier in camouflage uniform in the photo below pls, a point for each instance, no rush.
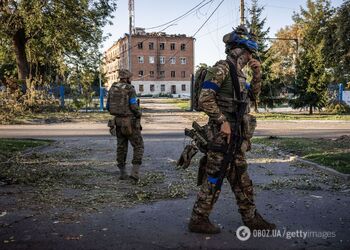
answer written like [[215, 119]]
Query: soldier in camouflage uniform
[[215, 100], [126, 124]]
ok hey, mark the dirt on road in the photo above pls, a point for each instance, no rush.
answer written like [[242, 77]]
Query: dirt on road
[[68, 196]]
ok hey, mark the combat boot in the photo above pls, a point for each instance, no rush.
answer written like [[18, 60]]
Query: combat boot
[[123, 173], [258, 223], [135, 172], [203, 226]]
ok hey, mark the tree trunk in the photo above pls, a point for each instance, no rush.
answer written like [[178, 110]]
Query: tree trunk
[[310, 110], [19, 44]]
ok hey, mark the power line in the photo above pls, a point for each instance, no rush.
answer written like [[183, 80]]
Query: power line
[[217, 7], [208, 18], [182, 16]]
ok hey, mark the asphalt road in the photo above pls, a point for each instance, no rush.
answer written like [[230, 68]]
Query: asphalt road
[[298, 198], [319, 209], [303, 128]]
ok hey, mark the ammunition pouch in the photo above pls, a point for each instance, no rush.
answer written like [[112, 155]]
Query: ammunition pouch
[[124, 125], [112, 127], [202, 174], [186, 156]]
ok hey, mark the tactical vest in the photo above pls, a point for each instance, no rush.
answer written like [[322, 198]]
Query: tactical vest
[[226, 97], [119, 100]]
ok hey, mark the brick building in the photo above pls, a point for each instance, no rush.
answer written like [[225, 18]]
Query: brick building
[[160, 63]]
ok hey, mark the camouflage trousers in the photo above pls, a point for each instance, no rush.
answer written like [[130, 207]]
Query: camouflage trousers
[[237, 176], [136, 142]]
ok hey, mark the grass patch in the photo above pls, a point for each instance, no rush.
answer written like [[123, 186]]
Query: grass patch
[[55, 117], [300, 116], [334, 153], [9, 147], [181, 103]]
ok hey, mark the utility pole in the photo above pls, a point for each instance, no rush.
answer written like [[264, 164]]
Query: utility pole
[[131, 28], [242, 12]]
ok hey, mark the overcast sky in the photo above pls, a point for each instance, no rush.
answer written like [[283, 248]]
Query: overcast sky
[[208, 44]]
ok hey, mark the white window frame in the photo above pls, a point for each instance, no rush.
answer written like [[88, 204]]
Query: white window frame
[[162, 59], [151, 59], [183, 60], [141, 59], [172, 60]]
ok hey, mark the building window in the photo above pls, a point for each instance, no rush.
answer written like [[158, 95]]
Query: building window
[[172, 46], [183, 60], [141, 59], [151, 59], [141, 73], [151, 45], [151, 74], [140, 88], [151, 87], [183, 87], [140, 45], [183, 74], [162, 74], [161, 46], [161, 59], [183, 46], [172, 73], [172, 60], [162, 87]]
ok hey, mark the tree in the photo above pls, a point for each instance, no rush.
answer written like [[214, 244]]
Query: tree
[[283, 56], [53, 33], [256, 25], [338, 46], [313, 75]]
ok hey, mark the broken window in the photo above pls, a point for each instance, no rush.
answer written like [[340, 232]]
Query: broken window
[[140, 59], [151, 87], [183, 60], [183, 46], [161, 46], [140, 45], [172, 46], [151, 45], [141, 73], [162, 74], [172, 60]]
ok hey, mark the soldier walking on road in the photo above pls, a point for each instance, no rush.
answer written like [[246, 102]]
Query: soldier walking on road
[[223, 91], [126, 125]]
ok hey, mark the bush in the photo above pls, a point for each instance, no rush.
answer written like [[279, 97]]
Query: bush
[[15, 103], [338, 107]]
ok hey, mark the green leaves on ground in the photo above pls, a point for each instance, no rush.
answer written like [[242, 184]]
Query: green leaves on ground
[[334, 153]]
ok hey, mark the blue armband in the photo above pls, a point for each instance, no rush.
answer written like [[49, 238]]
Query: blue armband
[[210, 85], [133, 101], [212, 180]]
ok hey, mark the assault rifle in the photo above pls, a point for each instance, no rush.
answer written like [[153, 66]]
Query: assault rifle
[[236, 132], [233, 147]]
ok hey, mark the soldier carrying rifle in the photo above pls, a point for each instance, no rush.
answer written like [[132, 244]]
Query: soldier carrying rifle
[[225, 97]]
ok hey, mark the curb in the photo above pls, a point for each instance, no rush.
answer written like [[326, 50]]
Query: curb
[[321, 167]]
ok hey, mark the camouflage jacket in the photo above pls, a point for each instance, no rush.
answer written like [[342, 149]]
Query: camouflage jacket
[[218, 78]]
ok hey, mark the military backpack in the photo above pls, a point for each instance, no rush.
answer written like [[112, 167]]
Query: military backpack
[[198, 80], [119, 100]]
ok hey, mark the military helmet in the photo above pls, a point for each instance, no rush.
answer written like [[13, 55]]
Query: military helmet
[[124, 74], [240, 37]]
